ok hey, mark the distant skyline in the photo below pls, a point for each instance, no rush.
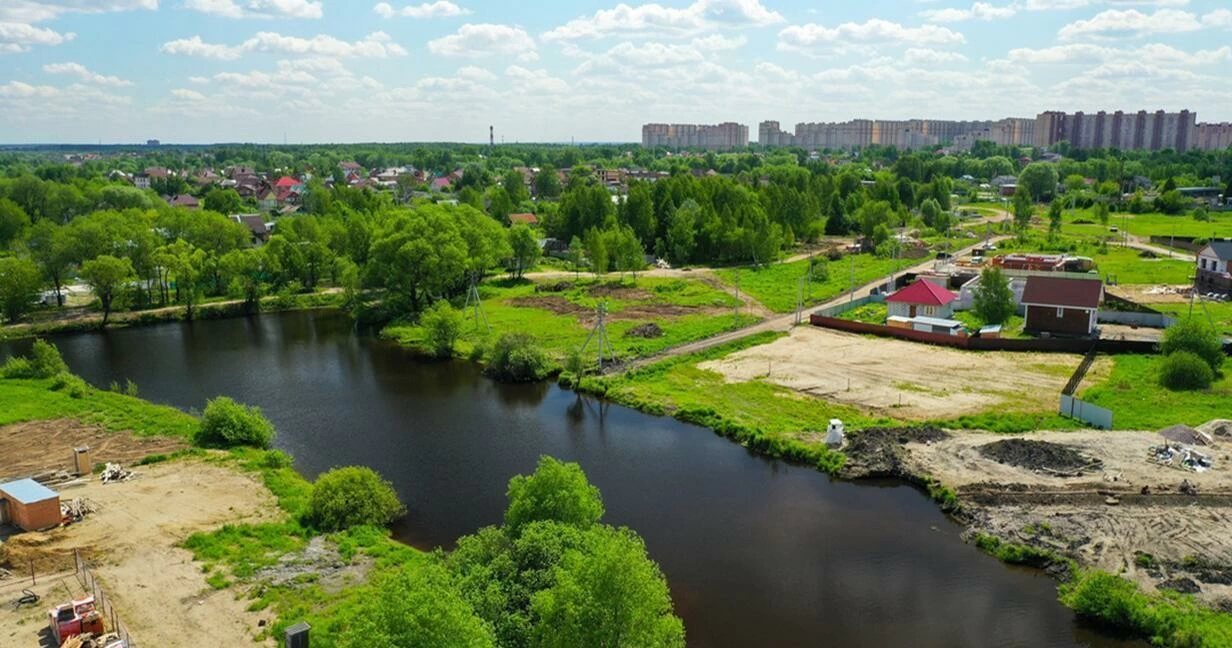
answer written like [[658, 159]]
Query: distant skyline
[[202, 71]]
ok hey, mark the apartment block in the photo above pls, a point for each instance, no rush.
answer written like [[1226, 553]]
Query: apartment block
[[903, 134], [1152, 131], [728, 135], [1213, 136]]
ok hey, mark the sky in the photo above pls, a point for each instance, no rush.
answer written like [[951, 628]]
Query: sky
[[319, 71]]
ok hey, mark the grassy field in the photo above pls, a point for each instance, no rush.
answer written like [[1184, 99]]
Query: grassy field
[[1150, 224], [1126, 265], [1220, 313], [34, 400], [777, 286], [1138, 402], [1012, 328], [685, 310], [869, 314]]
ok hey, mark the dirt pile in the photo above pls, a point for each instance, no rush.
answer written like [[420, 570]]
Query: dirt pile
[[648, 330], [880, 452], [617, 291], [39, 446], [553, 286], [1040, 455]]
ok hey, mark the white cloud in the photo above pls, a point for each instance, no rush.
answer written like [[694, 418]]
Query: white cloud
[[198, 80], [185, 93], [485, 39], [535, 80], [718, 42], [84, 74], [475, 73], [20, 37], [1132, 23], [655, 19], [924, 55], [1085, 53], [438, 9], [374, 45], [257, 8], [19, 89], [1049, 5], [1218, 18], [33, 11], [772, 71], [978, 11], [810, 37]]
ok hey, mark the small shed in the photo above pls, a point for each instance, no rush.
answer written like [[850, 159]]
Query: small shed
[[937, 325], [922, 298], [29, 505], [1061, 305]]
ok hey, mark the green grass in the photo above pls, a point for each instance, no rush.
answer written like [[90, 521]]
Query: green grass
[[1011, 328], [1138, 402], [1163, 618], [1125, 265], [34, 400], [685, 310], [777, 286], [869, 314], [1219, 313]]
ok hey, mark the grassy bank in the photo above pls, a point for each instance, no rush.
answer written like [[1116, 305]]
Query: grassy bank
[[1138, 401], [560, 314], [777, 286], [123, 319], [33, 400]]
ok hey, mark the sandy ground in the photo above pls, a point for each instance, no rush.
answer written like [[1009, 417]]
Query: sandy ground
[[1151, 294], [40, 446], [132, 544], [1072, 514], [905, 379]]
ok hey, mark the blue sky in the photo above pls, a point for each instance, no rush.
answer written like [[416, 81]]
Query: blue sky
[[428, 70]]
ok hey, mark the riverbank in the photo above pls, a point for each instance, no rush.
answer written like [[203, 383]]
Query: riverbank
[[88, 320]]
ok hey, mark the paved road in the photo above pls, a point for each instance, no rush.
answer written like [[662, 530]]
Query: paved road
[[1138, 243]]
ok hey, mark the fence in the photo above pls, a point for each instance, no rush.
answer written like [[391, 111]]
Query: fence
[[101, 602], [1149, 320], [839, 309], [1092, 415]]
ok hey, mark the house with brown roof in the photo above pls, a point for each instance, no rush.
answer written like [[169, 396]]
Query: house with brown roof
[[256, 225], [1062, 306], [184, 200]]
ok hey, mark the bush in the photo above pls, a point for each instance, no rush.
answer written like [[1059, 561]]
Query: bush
[[442, 327], [1185, 371], [45, 360], [1197, 337], [226, 424], [353, 496], [516, 357], [17, 367], [72, 385]]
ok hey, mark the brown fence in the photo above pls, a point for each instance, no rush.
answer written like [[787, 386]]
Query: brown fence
[[101, 602], [1053, 345]]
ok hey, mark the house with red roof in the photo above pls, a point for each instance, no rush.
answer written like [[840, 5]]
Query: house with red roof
[[523, 219], [440, 184], [922, 299], [289, 183]]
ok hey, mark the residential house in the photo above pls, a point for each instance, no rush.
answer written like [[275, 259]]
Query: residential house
[[158, 172], [1215, 268], [184, 200], [141, 181], [289, 183], [1034, 262], [440, 184], [1062, 306], [236, 171], [350, 167], [922, 299], [523, 219], [256, 225], [268, 201]]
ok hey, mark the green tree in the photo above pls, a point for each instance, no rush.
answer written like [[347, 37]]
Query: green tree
[[227, 424], [244, 271], [1185, 371], [993, 299], [1102, 212], [353, 496], [1055, 216], [576, 254], [930, 210], [51, 249], [558, 492], [682, 231], [1197, 337], [107, 276], [442, 326], [419, 253], [499, 204], [1024, 208], [416, 606], [1171, 202], [526, 250], [596, 251], [13, 221], [187, 264], [514, 185], [223, 201], [611, 594], [1040, 178], [547, 183], [20, 282], [517, 357], [637, 212]]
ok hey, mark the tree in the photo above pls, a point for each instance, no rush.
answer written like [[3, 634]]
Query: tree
[[416, 606], [107, 276], [1197, 337], [1055, 215], [1102, 212], [558, 492], [682, 231], [547, 183], [609, 594], [20, 282], [227, 424], [187, 265], [1024, 208], [637, 212], [525, 247], [1185, 371], [514, 185], [576, 254], [353, 496], [993, 299], [244, 270], [516, 357], [499, 204], [223, 201], [13, 221], [50, 248], [442, 326], [596, 251], [930, 209], [1040, 178], [1171, 202], [419, 253]]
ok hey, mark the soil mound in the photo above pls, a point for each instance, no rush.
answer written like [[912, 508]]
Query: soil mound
[[878, 452], [553, 286], [647, 330], [1039, 455]]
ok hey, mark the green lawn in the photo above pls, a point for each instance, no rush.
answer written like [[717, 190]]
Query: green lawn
[[34, 400], [1126, 265], [1138, 402], [685, 310], [1220, 313], [1012, 328], [1153, 224], [869, 314], [777, 286]]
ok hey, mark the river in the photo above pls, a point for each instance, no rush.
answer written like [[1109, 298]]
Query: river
[[757, 552]]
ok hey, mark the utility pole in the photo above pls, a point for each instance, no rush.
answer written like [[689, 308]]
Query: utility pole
[[736, 322], [799, 300], [601, 330], [852, 291], [474, 304]]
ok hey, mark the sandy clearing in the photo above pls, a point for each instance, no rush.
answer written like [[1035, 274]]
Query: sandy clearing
[[39, 446], [904, 379], [132, 544]]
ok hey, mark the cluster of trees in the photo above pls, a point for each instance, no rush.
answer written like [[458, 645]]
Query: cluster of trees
[[1193, 355], [551, 575]]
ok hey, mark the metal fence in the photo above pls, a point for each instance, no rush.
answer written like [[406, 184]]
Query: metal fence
[[1092, 415], [839, 309], [101, 602], [1149, 320]]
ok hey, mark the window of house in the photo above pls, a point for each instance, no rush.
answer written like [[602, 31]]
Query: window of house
[[1202, 263], [1060, 313]]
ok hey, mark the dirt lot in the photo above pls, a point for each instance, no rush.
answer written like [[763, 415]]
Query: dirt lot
[[1186, 535], [904, 379], [132, 542], [40, 446], [633, 311]]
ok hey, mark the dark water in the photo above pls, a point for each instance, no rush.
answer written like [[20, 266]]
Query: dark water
[[757, 552]]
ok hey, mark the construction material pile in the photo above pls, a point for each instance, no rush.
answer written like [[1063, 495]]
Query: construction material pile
[[648, 330], [109, 640], [1041, 456], [116, 473], [77, 509], [1178, 456]]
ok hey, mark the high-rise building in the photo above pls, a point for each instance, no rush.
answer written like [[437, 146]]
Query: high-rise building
[[1213, 136], [1152, 131], [725, 136], [903, 134]]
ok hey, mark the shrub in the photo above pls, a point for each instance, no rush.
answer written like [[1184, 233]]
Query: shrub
[[1185, 371], [226, 424], [17, 367], [45, 360], [72, 385], [516, 357], [353, 496], [442, 326], [1197, 337]]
